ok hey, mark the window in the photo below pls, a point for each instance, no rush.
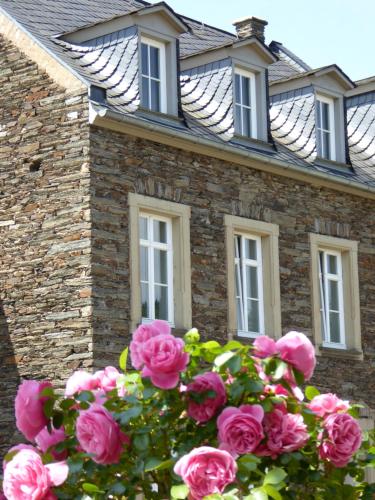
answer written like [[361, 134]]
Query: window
[[245, 103], [252, 277], [159, 261], [156, 267], [153, 74], [249, 289], [335, 296], [325, 128]]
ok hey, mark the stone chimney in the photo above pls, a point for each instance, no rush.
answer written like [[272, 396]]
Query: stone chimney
[[250, 26]]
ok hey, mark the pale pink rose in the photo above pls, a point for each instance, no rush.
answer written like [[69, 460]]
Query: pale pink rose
[[141, 335], [107, 378], [206, 471], [295, 348], [164, 358], [240, 429], [46, 440], [325, 404], [285, 432], [19, 447], [342, 437], [30, 418], [100, 435], [81, 381], [210, 381], [264, 347], [27, 478]]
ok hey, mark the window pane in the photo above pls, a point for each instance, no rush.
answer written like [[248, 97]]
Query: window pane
[[246, 114], [332, 264], [143, 228], [238, 124], [161, 302], [144, 56], [333, 291], [154, 62], [252, 282], [160, 231], [240, 325], [326, 145], [144, 299], [251, 249], [253, 315], [324, 332], [237, 91], [237, 246], [144, 264], [160, 263], [325, 115], [334, 325], [245, 91], [145, 93], [318, 114], [155, 95]]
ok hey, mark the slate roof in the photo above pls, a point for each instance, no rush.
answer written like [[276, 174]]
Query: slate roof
[[111, 62]]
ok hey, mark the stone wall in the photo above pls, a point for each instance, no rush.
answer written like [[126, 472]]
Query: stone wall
[[45, 302], [212, 188]]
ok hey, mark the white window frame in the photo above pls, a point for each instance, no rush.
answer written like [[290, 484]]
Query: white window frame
[[332, 129], [324, 279], [239, 128], [163, 71], [241, 263], [152, 245]]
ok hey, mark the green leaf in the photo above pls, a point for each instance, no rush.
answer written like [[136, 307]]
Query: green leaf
[[311, 392], [58, 419], [211, 344], [223, 358], [179, 492], [85, 397], [272, 492], [254, 386], [66, 404], [91, 488], [48, 408], [234, 364], [157, 464], [299, 377], [233, 344], [47, 392], [258, 494], [281, 368], [141, 442], [248, 462], [128, 415], [117, 489], [275, 476], [8, 457], [74, 465], [124, 359], [149, 392]]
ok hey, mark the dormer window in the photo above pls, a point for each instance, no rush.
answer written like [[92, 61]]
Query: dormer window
[[153, 71], [245, 103], [325, 128]]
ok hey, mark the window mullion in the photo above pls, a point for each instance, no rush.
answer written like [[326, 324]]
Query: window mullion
[[244, 284], [260, 285], [152, 270], [170, 283], [326, 289]]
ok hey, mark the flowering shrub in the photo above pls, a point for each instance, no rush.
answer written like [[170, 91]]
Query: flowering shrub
[[194, 420]]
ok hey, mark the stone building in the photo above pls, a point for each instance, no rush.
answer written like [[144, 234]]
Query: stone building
[[155, 166]]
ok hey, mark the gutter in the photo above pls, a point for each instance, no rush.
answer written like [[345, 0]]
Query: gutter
[[103, 117]]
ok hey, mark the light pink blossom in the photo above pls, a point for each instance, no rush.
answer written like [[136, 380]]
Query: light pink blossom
[[18, 447], [264, 347], [100, 435], [107, 378], [81, 381], [240, 429], [341, 438], [296, 349], [30, 417], [27, 478], [325, 404], [46, 440], [210, 381], [141, 335], [206, 471]]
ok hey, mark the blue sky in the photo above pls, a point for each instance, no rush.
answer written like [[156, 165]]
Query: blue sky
[[320, 31]]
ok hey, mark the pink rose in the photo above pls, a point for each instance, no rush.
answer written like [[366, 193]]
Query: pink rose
[[264, 347], [30, 418], [325, 404], [206, 471], [107, 378], [141, 335], [164, 358], [210, 381], [81, 381], [45, 440], [286, 432], [342, 437], [240, 429], [27, 478], [18, 447], [99, 434], [295, 348]]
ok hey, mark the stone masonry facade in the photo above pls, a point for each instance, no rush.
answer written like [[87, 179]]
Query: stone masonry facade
[[64, 237]]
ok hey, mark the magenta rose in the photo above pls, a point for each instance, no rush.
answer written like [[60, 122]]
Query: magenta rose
[[208, 382], [46, 440], [285, 432], [27, 478], [325, 404], [264, 347], [342, 437], [295, 348], [30, 418], [164, 358], [141, 335], [206, 471], [81, 381], [240, 429], [99, 434]]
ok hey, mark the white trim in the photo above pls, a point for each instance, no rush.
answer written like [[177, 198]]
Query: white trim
[[162, 68], [253, 102], [332, 125]]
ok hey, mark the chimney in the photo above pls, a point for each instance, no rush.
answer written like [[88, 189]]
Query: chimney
[[250, 26]]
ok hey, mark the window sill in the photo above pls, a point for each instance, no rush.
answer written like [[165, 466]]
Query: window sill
[[339, 353]]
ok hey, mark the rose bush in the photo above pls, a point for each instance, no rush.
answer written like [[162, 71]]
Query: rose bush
[[194, 420]]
